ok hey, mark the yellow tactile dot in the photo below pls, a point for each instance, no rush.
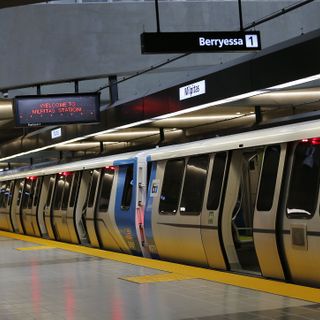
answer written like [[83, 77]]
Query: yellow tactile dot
[[34, 248], [162, 277]]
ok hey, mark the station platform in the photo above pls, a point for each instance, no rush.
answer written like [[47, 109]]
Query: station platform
[[43, 279]]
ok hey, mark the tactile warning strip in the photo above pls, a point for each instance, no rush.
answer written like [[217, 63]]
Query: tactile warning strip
[[35, 248], [163, 277]]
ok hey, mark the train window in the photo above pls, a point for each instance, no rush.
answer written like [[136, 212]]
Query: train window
[[171, 186], [268, 178], [93, 187], [57, 198], [32, 191], [66, 191], [105, 189], [75, 185], [149, 168], [304, 181], [50, 189], [37, 193], [194, 184], [216, 181], [2, 195], [20, 190], [26, 194], [127, 190], [10, 194]]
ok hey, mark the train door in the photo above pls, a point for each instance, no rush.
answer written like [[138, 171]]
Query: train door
[[237, 215], [16, 212], [29, 205], [63, 213], [300, 215], [177, 201], [90, 207], [107, 231], [15, 201], [212, 207], [50, 182], [6, 194], [40, 200], [266, 223], [70, 210], [58, 226], [80, 206], [126, 205]]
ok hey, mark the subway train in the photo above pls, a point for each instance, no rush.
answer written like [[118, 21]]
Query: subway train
[[245, 203]]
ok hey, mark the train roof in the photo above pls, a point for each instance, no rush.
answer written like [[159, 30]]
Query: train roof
[[70, 166], [254, 138]]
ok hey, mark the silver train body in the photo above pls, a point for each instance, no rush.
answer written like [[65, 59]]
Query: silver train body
[[247, 202]]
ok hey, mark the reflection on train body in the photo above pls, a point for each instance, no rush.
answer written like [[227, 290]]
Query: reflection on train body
[[220, 203]]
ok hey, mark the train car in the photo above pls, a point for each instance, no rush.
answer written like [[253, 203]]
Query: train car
[[97, 202], [246, 202]]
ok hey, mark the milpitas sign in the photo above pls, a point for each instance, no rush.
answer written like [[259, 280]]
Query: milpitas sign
[[192, 90]]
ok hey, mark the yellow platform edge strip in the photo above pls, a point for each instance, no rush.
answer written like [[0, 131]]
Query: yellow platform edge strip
[[34, 248], [151, 278], [265, 285]]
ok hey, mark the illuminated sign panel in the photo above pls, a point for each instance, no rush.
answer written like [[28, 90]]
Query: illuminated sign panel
[[56, 133], [39, 110], [185, 42], [192, 90]]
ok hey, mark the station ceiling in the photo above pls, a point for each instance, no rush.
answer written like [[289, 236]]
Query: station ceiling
[[213, 120], [273, 86]]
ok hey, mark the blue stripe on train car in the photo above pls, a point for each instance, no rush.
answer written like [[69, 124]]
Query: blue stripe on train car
[[126, 218], [148, 213]]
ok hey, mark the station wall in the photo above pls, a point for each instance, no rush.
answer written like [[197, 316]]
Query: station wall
[[51, 42]]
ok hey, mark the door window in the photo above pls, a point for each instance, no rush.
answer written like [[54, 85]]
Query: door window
[[127, 191], [216, 181], [75, 185], [93, 187], [268, 178], [58, 193], [194, 185], [66, 191], [171, 187], [50, 189], [105, 189], [304, 180]]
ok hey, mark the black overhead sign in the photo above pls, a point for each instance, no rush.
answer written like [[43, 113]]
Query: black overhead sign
[[185, 42], [44, 110]]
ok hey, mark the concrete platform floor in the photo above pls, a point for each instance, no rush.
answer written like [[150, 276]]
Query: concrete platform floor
[[51, 283]]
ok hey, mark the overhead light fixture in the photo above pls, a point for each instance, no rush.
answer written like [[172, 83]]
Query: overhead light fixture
[[211, 104]]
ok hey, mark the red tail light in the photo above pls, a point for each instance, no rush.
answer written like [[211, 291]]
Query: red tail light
[[65, 174], [314, 141], [111, 168]]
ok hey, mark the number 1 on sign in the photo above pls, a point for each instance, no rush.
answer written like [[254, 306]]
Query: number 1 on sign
[[252, 41]]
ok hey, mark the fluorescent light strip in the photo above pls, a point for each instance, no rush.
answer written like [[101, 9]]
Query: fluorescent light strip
[[74, 140], [210, 104]]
